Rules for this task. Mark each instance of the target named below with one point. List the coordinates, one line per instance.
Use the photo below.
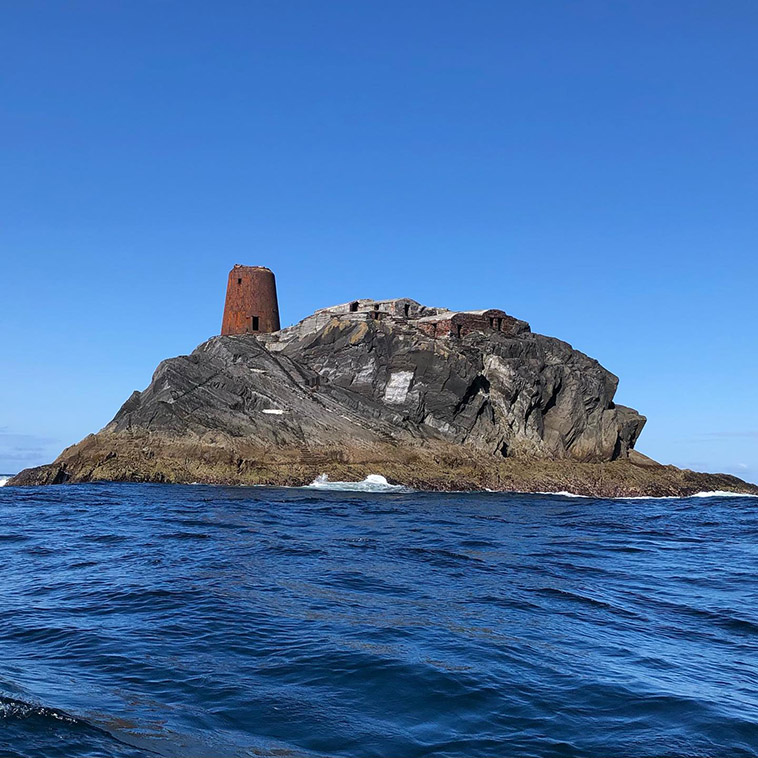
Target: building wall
(398, 307)
(461, 324)
(251, 305)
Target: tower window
(239, 281)
(256, 323)
(353, 307)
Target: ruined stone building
(252, 308)
(461, 323)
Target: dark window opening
(239, 281)
(500, 325)
(256, 323)
(407, 309)
(492, 322)
(458, 328)
(376, 306)
(353, 307)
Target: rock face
(516, 394)
(370, 387)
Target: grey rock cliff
(344, 377)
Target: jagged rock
(51, 473)
(508, 394)
(347, 391)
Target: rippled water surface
(204, 621)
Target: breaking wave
(722, 493)
(4, 480)
(372, 483)
(29, 729)
(562, 493)
(712, 493)
(11, 708)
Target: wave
(372, 483)
(562, 493)
(710, 493)
(704, 494)
(722, 493)
(11, 708)
(4, 480)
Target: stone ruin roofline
(363, 302)
(252, 268)
(435, 322)
(365, 305)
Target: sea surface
(156, 620)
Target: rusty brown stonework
(251, 306)
(460, 324)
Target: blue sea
(156, 620)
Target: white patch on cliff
(397, 387)
(273, 411)
(366, 374)
(435, 423)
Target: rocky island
(430, 398)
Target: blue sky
(588, 166)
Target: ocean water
(141, 620)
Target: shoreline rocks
(153, 458)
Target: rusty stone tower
(251, 306)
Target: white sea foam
(562, 493)
(721, 493)
(712, 493)
(372, 483)
(377, 483)
(4, 480)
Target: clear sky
(586, 165)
